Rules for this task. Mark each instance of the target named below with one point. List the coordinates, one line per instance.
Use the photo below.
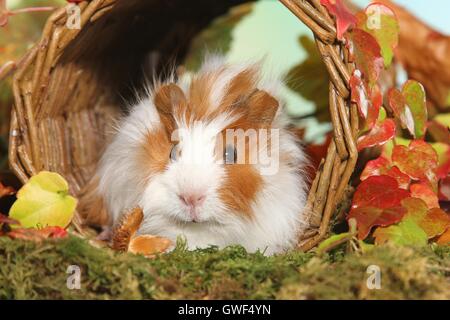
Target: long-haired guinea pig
(209, 159)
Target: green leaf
(381, 23)
(415, 97)
(406, 232)
(44, 201)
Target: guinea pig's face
(199, 171)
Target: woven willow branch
(336, 169)
(52, 129)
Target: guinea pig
(209, 158)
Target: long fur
(129, 176)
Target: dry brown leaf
(148, 245)
(126, 229)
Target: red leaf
(397, 102)
(38, 234)
(380, 192)
(375, 167)
(368, 217)
(380, 134)
(433, 221)
(366, 53)
(419, 160)
(402, 179)
(359, 94)
(344, 18)
(382, 166)
(425, 193)
(376, 100)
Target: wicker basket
(70, 84)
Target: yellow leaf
(44, 201)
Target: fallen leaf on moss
(148, 245)
(127, 228)
(125, 239)
(44, 201)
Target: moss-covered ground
(38, 271)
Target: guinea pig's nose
(192, 200)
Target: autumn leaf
(405, 233)
(433, 221)
(380, 134)
(369, 217)
(366, 53)
(443, 152)
(344, 18)
(383, 166)
(375, 167)
(444, 239)
(148, 245)
(125, 239)
(381, 22)
(359, 94)
(397, 102)
(425, 193)
(376, 100)
(419, 160)
(380, 192)
(44, 201)
(415, 98)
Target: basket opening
(104, 66)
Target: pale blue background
(271, 32)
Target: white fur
(278, 209)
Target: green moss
(30, 270)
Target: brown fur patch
(240, 187)
(153, 156)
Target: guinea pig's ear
(168, 97)
(262, 107)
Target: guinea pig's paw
(149, 245)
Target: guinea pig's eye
(229, 154)
(175, 152)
